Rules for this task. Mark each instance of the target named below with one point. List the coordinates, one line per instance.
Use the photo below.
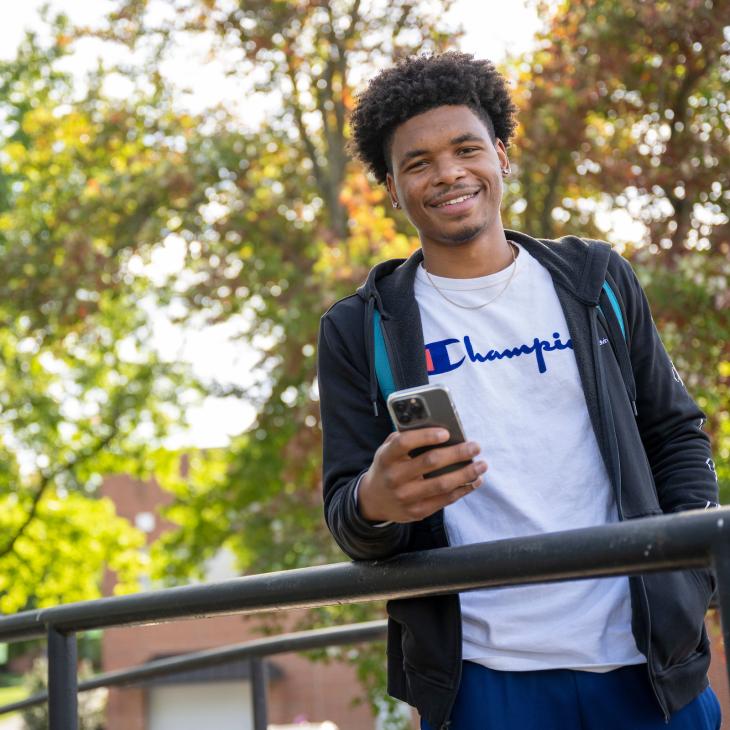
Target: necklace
(489, 301)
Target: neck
(470, 259)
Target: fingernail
(481, 467)
(442, 434)
(473, 449)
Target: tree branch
(302, 129)
(48, 479)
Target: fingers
(435, 459)
(429, 506)
(400, 443)
(442, 486)
(399, 491)
(423, 497)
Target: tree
(624, 115)
(88, 186)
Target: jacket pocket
(678, 601)
(430, 636)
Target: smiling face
(446, 174)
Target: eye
(416, 165)
(468, 150)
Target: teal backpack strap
(613, 299)
(382, 364)
(620, 346)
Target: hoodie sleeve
(351, 435)
(669, 421)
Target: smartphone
(426, 406)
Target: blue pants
(562, 699)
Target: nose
(447, 170)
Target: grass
(12, 694)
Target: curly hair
(417, 84)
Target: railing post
(721, 564)
(258, 694)
(62, 689)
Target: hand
(394, 488)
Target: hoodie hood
(577, 266)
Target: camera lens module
(411, 409)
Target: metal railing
(254, 652)
(668, 542)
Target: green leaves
(86, 188)
(63, 552)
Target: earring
(396, 204)
(506, 170)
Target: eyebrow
(467, 137)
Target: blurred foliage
(91, 705)
(624, 121)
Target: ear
(390, 184)
(501, 154)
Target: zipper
(446, 725)
(604, 408)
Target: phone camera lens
(417, 408)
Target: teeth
(456, 200)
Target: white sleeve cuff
(354, 493)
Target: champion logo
(603, 341)
(441, 356)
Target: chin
(464, 235)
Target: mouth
(457, 205)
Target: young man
(577, 409)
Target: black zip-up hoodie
(648, 429)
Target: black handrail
(635, 546)
(688, 540)
(254, 649)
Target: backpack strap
(382, 364)
(615, 306)
(618, 336)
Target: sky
(494, 28)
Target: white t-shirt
(512, 374)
